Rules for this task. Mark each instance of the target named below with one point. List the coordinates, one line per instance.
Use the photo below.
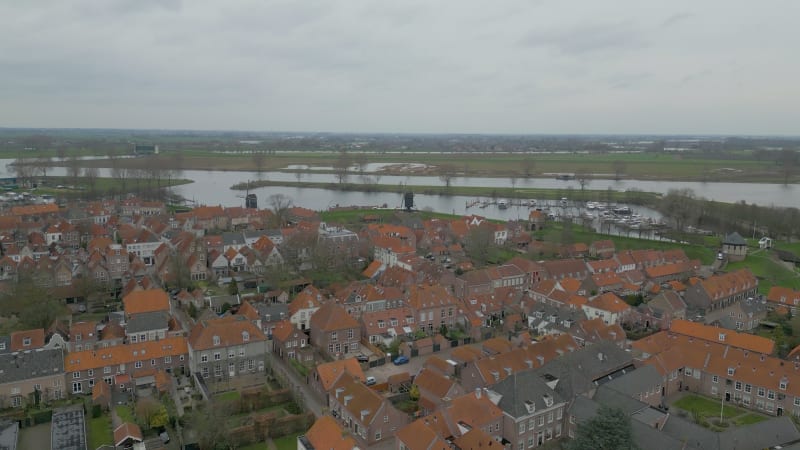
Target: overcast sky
(549, 66)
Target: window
(181, 358)
(530, 442)
(559, 414)
(761, 392)
(167, 359)
(350, 333)
(142, 337)
(241, 352)
(541, 420)
(90, 372)
(217, 356)
(91, 382)
(231, 353)
(133, 338)
(77, 388)
(771, 395)
(217, 370)
(138, 364)
(783, 385)
(334, 336)
(688, 372)
(738, 385)
(251, 365)
(522, 428)
(205, 372)
(16, 401)
(216, 340)
(558, 430)
(37, 387)
(26, 341)
(107, 369)
(245, 336)
(797, 401)
(203, 358)
(748, 388)
(550, 417)
(76, 374)
(731, 370)
(153, 362)
(377, 435)
(714, 390)
(385, 419)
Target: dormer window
(731, 371)
(78, 337)
(216, 340)
(722, 337)
(783, 384)
(245, 336)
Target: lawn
(287, 442)
(256, 446)
(100, 432)
(229, 396)
(769, 271)
(706, 407)
(125, 413)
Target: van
(371, 381)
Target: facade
(434, 307)
(720, 291)
(227, 349)
(334, 332)
(26, 373)
(533, 413)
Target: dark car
(362, 358)
(400, 360)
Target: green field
(770, 272)
(706, 407)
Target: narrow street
(298, 385)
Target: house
(124, 365)
(147, 326)
(734, 247)
(325, 434)
(608, 307)
(743, 315)
(720, 291)
(334, 332)
(537, 219)
(83, 336)
(383, 327)
(27, 372)
(602, 249)
(304, 305)
(662, 309)
(325, 375)
(566, 268)
(127, 435)
(434, 307)
(783, 297)
(368, 416)
(533, 413)
(745, 341)
(227, 349)
(593, 331)
(436, 389)
(290, 343)
(147, 300)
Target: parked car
(362, 358)
(400, 360)
(370, 381)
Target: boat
(622, 210)
(591, 205)
(502, 204)
(531, 202)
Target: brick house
(230, 348)
(25, 373)
(334, 332)
(720, 291)
(434, 306)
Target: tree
(341, 166)
(361, 161)
(619, 169)
(151, 413)
(584, 177)
(74, 168)
(413, 393)
(91, 174)
(479, 244)
(679, 205)
(528, 165)
(446, 173)
(259, 158)
(280, 205)
(205, 422)
(179, 274)
(609, 429)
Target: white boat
(502, 204)
(591, 205)
(531, 202)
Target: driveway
(382, 373)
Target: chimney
(477, 392)
(529, 363)
(508, 370)
(338, 391)
(364, 413)
(347, 399)
(600, 356)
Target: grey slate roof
(30, 364)
(767, 434)
(231, 238)
(275, 311)
(734, 239)
(140, 323)
(521, 388)
(634, 382)
(583, 370)
(646, 436)
(583, 408)
(68, 430)
(615, 399)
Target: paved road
(298, 385)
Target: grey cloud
(587, 38)
(674, 19)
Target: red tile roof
(147, 300)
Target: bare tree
(342, 166)
(619, 169)
(584, 177)
(280, 205)
(74, 168)
(361, 161)
(528, 166)
(446, 173)
(91, 174)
